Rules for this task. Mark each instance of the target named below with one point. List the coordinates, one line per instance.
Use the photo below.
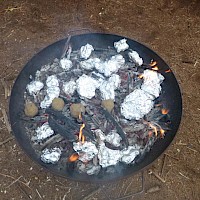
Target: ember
(110, 112)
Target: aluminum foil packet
(107, 88)
(86, 86)
(129, 154)
(90, 64)
(34, 86)
(111, 66)
(51, 155)
(85, 51)
(66, 64)
(113, 138)
(86, 150)
(69, 87)
(121, 45)
(152, 81)
(135, 57)
(108, 157)
(43, 132)
(137, 104)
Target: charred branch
(66, 133)
(117, 126)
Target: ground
(170, 27)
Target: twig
(91, 194)
(157, 175)
(14, 181)
(192, 149)
(5, 175)
(66, 47)
(23, 191)
(6, 140)
(163, 165)
(6, 88)
(172, 156)
(184, 176)
(6, 119)
(38, 194)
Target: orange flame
(164, 111)
(162, 132)
(155, 68)
(80, 137)
(153, 63)
(73, 157)
(167, 71)
(141, 76)
(154, 129)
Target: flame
(167, 71)
(81, 132)
(162, 132)
(155, 68)
(154, 129)
(73, 157)
(141, 76)
(164, 111)
(153, 63)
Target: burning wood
(108, 114)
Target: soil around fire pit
(171, 28)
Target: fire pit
(95, 107)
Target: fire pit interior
(95, 107)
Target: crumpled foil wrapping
(100, 135)
(66, 64)
(137, 104)
(43, 132)
(51, 155)
(129, 154)
(111, 66)
(34, 86)
(121, 45)
(113, 138)
(53, 91)
(86, 86)
(90, 63)
(52, 81)
(152, 81)
(69, 87)
(135, 57)
(107, 88)
(86, 151)
(108, 157)
(85, 51)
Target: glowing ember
(155, 68)
(141, 76)
(153, 63)
(73, 157)
(168, 71)
(164, 111)
(162, 133)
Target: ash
(86, 77)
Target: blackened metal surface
(171, 99)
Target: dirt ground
(170, 27)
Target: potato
(76, 109)
(108, 104)
(58, 104)
(30, 110)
